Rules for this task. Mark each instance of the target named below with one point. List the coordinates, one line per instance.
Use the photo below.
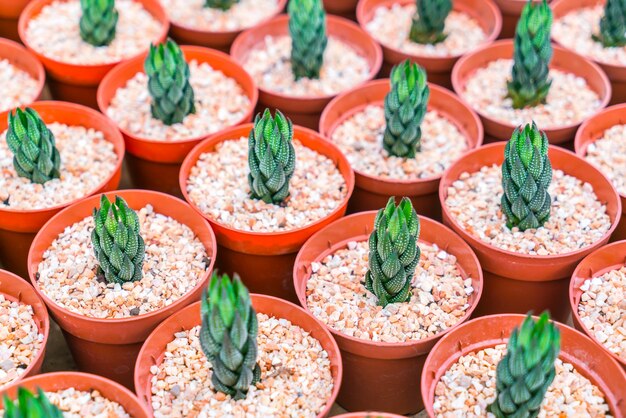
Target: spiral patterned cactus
(429, 21)
(613, 24)
(98, 21)
(307, 26)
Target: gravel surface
(360, 138)
(270, 66)
(87, 160)
(175, 262)
(468, 387)
(220, 102)
(391, 27)
(218, 185)
(80, 404)
(569, 101)
(577, 219)
(18, 87)
(55, 33)
(296, 378)
(602, 309)
(609, 154)
(20, 339)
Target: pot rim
(41, 72)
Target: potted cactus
(399, 136)
(110, 268)
(511, 11)
(79, 41)
(22, 76)
(234, 353)
(300, 61)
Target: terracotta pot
(590, 131)
(438, 68)
(481, 333)
(378, 375)
(109, 347)
(153, 350)
(368, 415)
(601, 261)
(264, 260)
(9, 13)
(343, 8)
(221, 40)
(18, 226)
(305, 111)
(16, 289)
(53, 382)
(511, 11)
(372, 193)
(75, 82)
(17, 55)
(562, 59)
(516, 282)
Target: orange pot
(372, 193)
(562, 59)
(379, 375)
(305, 111)
(516, 282)
(511, 11)
(52, 382)
(75, 82)
(18, 226)
(439, 68)
(157, 163)
(17, 55)
(264, 260)
(590, 131)
(481, 333)
(153, 350)
(9, 13)
(109, 347)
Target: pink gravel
(18, 87)
(608, 153)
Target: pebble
(608, 152)
(18, 87)
(86, 404)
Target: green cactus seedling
(307, 27)
(613, 24)
(429, 21)
(98, 21)
(29, 405)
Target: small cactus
(29, 405)
(220, 4)
(613, 25)
(307, 26)
(429, 21)
(98, 21)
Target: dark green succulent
(116, 241)
(613, 25)
(530, 82)
(220, 4)
(228, 336)
(307, 26)
(405, 108)
(527, 370)
(98, 21)
(29, 405)
(168, 83)
(35, 155)
(429, 21)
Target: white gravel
(218, 185)
(86, 404)
(570, 100)
(174, 264)
(360, 138)
(577, 219)
(391, 27)
(55, 33)
(609, 154)
(87, 159)
(18, 87)
(296, 379)
(270, 65)
(220, 102)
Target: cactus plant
(429, 21)
(118, 247)
(405, 107)
(271, 157)
(228, 336)
(98, 21)
(307, 27)
(220, 4)
(526, 176)
(613, 25)
(527, 370)
(35, 155)
(530, 82)
(393, 253)
(29, 405)
(168, 83)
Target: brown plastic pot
(153, 350)
(9, 14)
(516, 282)
(19, 56)
(486, 332)
(16, 289)
(18, 226)
(264, 260)
(54, 382)
(157, 163)
(76, 82)
(378, 375)
(372, 193)
(305, 111)
(109, 347)
(438, 68)
(511, 11)
(601, 261)
(592, 130)
(562, 59)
